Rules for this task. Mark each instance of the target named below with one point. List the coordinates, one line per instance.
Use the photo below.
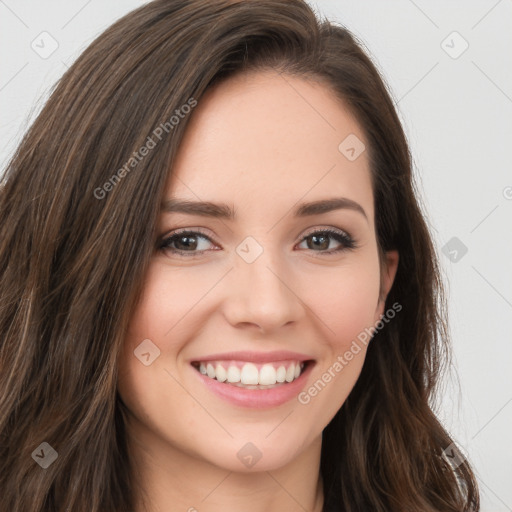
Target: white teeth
(267, 375)
(290, 373)
(233, 374)
(220, 374)
(210, 371)
(248, 375)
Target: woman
(218, 291)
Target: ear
(388, 270)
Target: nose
(261, 295)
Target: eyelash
(345, 239)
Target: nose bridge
(262, 291)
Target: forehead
(264, 139)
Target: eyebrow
(224, 211)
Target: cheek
(353, 312)
(169, 296)
(158, 310)
(161, 317)
(347, 309)
(345, 300)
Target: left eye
(321, 240)
(188, 243)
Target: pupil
(325, 239)
(187, 244)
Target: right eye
(185, 243)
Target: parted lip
(254, 357)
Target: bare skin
(262, 143)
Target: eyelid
(179, 231)
(350, 242)
(316, 229)
(192, 230)
(203, 232)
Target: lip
(255, 357)
(257, 398)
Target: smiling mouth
(252, 375)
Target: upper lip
(255, 357)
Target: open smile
(254, 380)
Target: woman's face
(259, 296)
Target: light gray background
(457, 116)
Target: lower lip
(258, 398)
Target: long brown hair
(77, 235)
